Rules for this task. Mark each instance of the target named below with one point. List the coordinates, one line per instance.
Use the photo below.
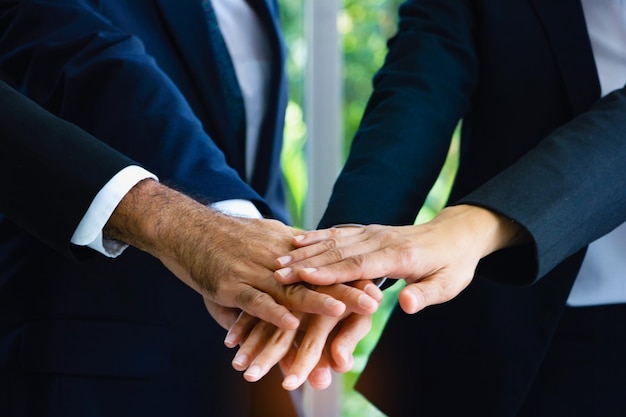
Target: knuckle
(405, 257)
(385, 234)
(335, 255)
(295, 291)
(265, 328)
(330, 244)
(334, 232)
(282, 339)
(250, 298)
(356, 262)
(310, 347)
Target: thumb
(435, 289)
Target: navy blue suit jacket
(537, 145)
(124, 337)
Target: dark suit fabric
(538, 145)
(38, 152)
(124, 337)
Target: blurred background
(354, 52)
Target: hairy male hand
(228, 260)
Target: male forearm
(181, 232)
(228, 260)
(146, 217)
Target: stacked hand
(282, 292)
(230, 262)
(437, 260)
(309, 352)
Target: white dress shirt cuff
(89, 230)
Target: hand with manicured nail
(228, 260)
(437, 259)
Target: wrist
(130, 221)
(149, 217)
(488, 230)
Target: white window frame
(323, 117)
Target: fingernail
(332, 303)
(343, 354)
(253, 372)
(374, 292)
(290, 382)
(284, 260)
(309, 270)
(346, 360)
(229, 341)
(240, 361)
(283, 272)
(290, 321)
(321, 378)
(299, 238)
(367, 302)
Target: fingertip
(374, 292)
(343, 360)
(240, 361)
(253, 373)
(291, 382)
(284, 260)
(231, 340)
(344, 367)
(367, 303)
(282, 275)
(409, 301)
(334, 307)
(312, 276)
(320, 378)
(289, 322)
(308, 271)
(304, 239)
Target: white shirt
(89, 230)
(251, 56)
(250, 52)
(602, 277)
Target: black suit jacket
(43, 161)
(537, 145)
(124, 337)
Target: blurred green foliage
(365, 26)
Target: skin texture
(320, 344)
(437, 259)
(228, 260)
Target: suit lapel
(267, 10)
(189, 29)
(565, 27)
(187, 24)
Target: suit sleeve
(50, 170)
(567, 192)
(419, 96)
(68, 57)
